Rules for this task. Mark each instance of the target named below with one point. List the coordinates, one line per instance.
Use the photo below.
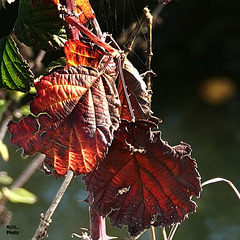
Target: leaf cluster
(91, 115)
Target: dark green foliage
(14, 70)
(38, 25)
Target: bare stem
(219, 179)
(173, 230)
(149, 18)
(97, 224)
(46, 220)
(164, 234)
(153, 235)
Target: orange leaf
(78, 53)
(84, 8)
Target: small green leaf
(5, 179)
(4, 151)
(19, 195)
(38, 25)
(15, 72)
(3, 106)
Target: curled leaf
(143, 181)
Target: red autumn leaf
(143, 181)
(137, 91)
(78, 53)
(77, 109)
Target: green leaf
(3, 106)
(19, 195)
(4, 151)
(15, 72)
(5, 179)
(38, 25)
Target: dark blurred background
(196, 46)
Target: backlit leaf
(38, 25)
(137, 91)
(78, 53)
(143, 181)
(83, 8)
(80, 107)
(15, 72)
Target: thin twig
(28, 172)
(134, 29)
(149, 18)
(46, 220)
(164, 234)
(219, 179)
(173, 230)
(4, 127)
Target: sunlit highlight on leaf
(78, 53)
(78, 110)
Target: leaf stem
(173, 230)
(164, 234)
(46, 220)
(97, 224)
(153, 235)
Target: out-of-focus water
(213, 133)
